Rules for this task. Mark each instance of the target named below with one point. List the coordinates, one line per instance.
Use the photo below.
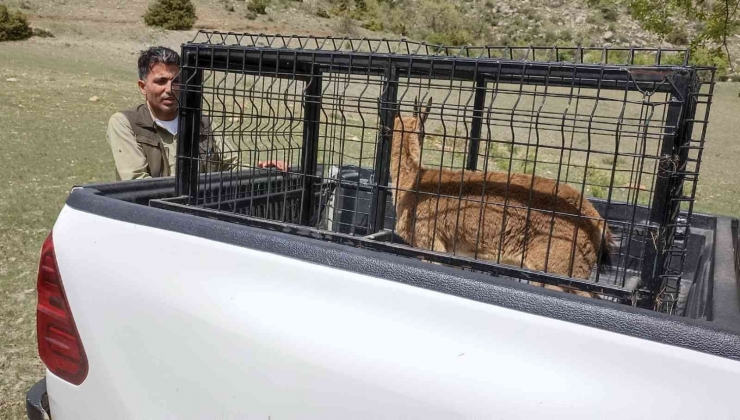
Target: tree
(717, 20)
(13, 25)
(171, 14)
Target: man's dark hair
(155, 55)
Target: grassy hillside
(492, 22)
(53, 136)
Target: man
(143, 139)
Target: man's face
(158, 90)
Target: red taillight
(60, 346)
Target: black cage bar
(623, 127)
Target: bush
(551, 37)
(228, 6)
(705, 56)
(608, 9)
(678, 36)
(450, 39)
(346, 26)
(171, 14)
(341, 7)
(529, 13)
(566, 55)
(373, 25)
(609, 12)
(42, 33)
(596, 19)
(13, 26)
(366, 10)
(258, 6)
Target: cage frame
(313, 56)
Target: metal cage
(624, 127)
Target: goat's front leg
(439, 245)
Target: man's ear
(141, 87)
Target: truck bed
(184, 316)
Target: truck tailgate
(178, 326)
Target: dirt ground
(52, 136)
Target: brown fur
(445, 214)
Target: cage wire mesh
(623, 127)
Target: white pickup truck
(148, 313)
(257, 293)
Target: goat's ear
(416, 106)
(425, 114)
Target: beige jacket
(132, 153)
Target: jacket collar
(144, 116)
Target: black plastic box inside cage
(571, 168)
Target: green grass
(719, 180)
(52, 138)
